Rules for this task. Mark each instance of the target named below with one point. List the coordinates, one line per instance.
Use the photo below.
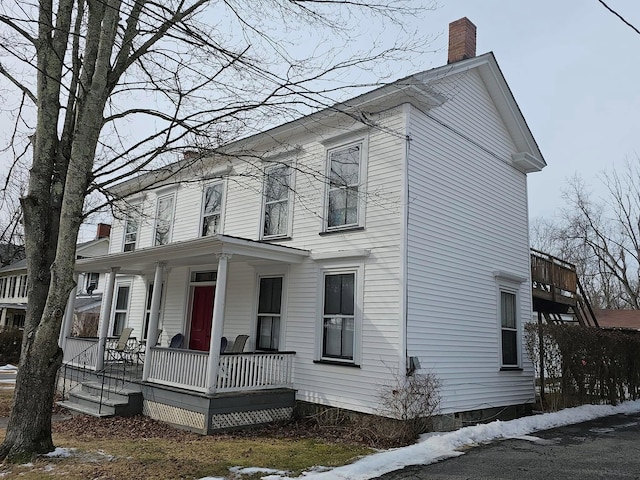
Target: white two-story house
(385, 236)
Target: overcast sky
(574, 69)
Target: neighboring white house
(13, 283)
(370, 249)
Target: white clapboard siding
(467, 219)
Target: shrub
(585, 364)
(10, 345)
(411, 401)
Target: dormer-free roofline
(414, 89)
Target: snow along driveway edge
(439, 446)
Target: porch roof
(199, 251)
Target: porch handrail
(81, 352)
(255, 371)
(237, 371)
(178, 367)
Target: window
(130, 233)
(164, 219)
(276, 201)
(22, 289)
(18, 320)
(91, 282)
(120, 310)
(269, 313)
(3, 286)
(509, 329)
(12, 287)
(212, 209)
(338, 321)
(147, 312)
(343, 203)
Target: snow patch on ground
(60, 453)
(434, 447)
(253, 470)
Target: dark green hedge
(586, 364)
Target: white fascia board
(340, 254)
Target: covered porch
(200, 366)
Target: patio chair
(176, 341)
(141, 348)
(238, 344)
(121, 351)
(223, 344)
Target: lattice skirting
(253, 417)
(175, 415)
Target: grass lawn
(140, 448)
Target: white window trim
(148, 300)
(362, 183)
(290, 201)
(506, 286)
(114, 302)
(223, 204)
(161, 195)
(336, 269)
(137, 216)
(270, 273)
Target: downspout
(402, 369)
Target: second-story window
(91, 282)
(130, 233)
(12, 287)
(22, 290)
(276, 201)
(164, 219)
(345, 164)
(212, 209)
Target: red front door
(201, 316)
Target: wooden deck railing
(80, 352)
(553, 277)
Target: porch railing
(81, 352)
(237, 372)
(179, 368)
(255, 371)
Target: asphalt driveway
(605, 448)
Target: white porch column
(217, 322)
(107, 301)
(154, 316)
(67, 320)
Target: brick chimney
(104, 230)
(462, 40)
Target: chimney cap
(462, 40)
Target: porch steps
(120, 402)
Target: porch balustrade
(81, 352)
(179, 368)
(255, 371)
(188, 368)
(237, 372)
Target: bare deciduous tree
(601, 236)
(109, 88)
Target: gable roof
(80, 247)
(414, 89)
